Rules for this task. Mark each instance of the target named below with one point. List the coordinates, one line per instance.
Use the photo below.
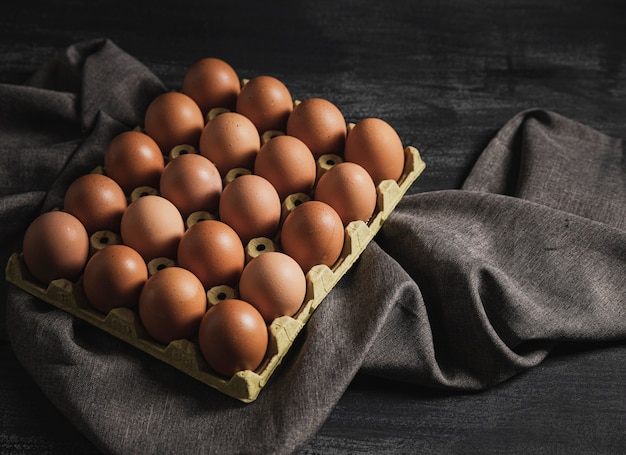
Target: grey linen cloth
(461, 290)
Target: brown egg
(133, 159)
(274, 284)
(267, 102)
(251, 206)
(153, 226)
(287, 163)
(313, 234)
(213, 251)
(230, 140)
(192, 183)
(173, 119)
(233, 337)
(114, 277)
(56, 245)
(376, 146)
(97, 201)
(320, 125)
(349, 189)
(172, 304)
(211, 82)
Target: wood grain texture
(446, 74)
(574, 403)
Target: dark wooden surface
(446, 75)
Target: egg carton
(185, 355)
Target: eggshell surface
(55, 245)
(287, 163)
(350, 190)
(153, 226)
(211, 83)
(376, 146)
(251, 206)
(233, 337)
(114, 277)
(230, 140)
(173, 119)
(274, 284)
(97, 201)
(192, 183)
(172, 304)
(213, 251)
(320, 125)
(134, 159)
(267, 102)
(313, 234)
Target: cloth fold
(462, 288)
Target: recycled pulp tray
(185, 355)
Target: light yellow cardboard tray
(185, 355)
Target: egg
(192, 183)
(251, 206)
(376, 146)
(114, 277)
(267, 102)
(153, 226)
(313, 234)
(350, 190)
(274, 284)
(172, 304)
(213, 251)
(287, 163)
(173, 119)
(133, 159)
(233, 337)
(97, 201)
(320, 125)
(55, 245)
(230, 141)
(211, 83)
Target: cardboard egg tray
(185, 355)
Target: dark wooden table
(446, 75)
